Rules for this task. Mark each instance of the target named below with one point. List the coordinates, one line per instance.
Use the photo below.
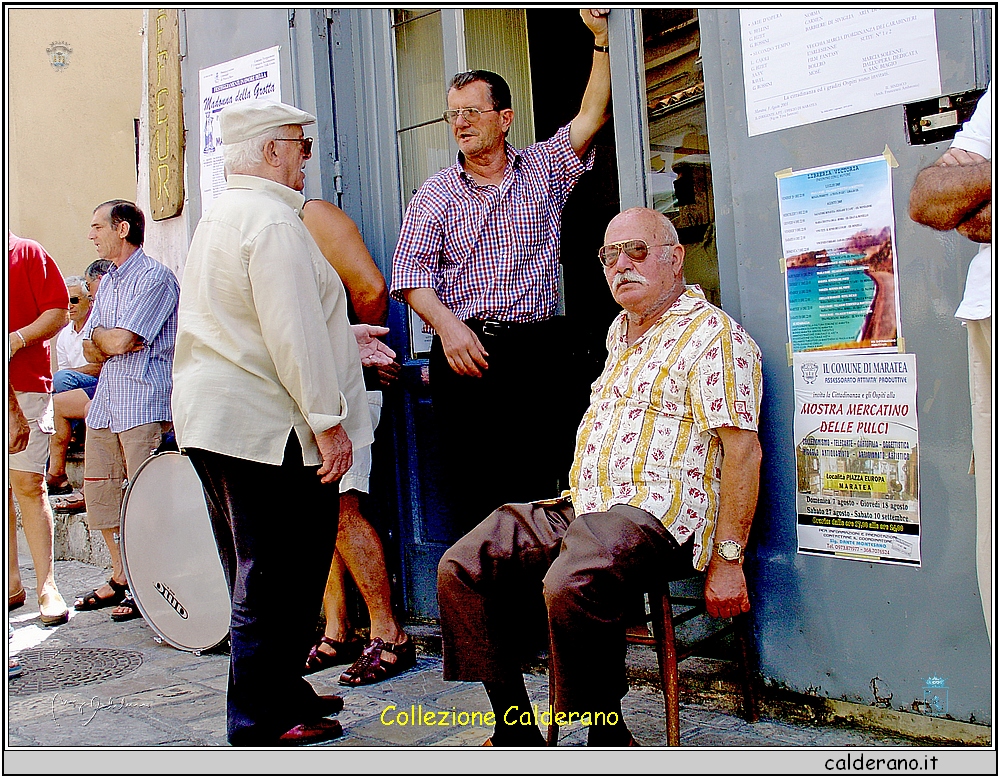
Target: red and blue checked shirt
(487, 251)
(141, 297)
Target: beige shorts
(358, 476)
(37, 409)
(109, 458)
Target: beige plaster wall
(70, 133)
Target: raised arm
(725, 584)
(595, 108)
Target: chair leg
(666, 652)
(748, 668)
(552, 736)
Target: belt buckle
(492, 327)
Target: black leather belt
(493, 328)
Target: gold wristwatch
(729, 550)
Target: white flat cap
(251, 118)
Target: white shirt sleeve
(976, 134)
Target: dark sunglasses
(306, 143)
(74, 300)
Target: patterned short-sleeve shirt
(649, 437)
(491, 251)
(134, 388)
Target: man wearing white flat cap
(268, 388)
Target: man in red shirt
(37, 304)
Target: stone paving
(143, 693)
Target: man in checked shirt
(664, 482)
(478, 260)
(131, 331)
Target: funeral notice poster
(855, 428)
(838, 239)
(252, 77)
(805, 65)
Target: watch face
(729, 550)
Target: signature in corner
(90, 708)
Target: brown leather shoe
(312, 732)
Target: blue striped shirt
(141, 297)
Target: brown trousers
(531, 564)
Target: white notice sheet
(805, 65)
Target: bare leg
(36, 518)
(14, 571)
(334, 599)
(65, 406)
(361, 549)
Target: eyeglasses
(471, 115)
(306, 143)
(636, 250)
(74, 300)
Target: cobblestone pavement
(95, 683)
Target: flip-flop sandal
(69, 503)
(91, 601)
(133, 612)
(371, 669)
(346, 651)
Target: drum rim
(128, 577)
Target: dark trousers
(276, 528)
(505, 436)
(528, 565)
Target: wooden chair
(668, 653)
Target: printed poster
(857, 494)
(805, 65)
(252, 77)
(838, 245)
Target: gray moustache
(625, 276)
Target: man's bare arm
(338, 238)
(17, 424)
(725, 584)
(465, 353)
(978, 226)
(595, 108)
(113, 342)
(45, 327)
(950, 190)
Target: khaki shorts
(358, 476)
(109, 458)
(37, 409)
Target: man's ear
(123, 229)
(506, 119)
(678, 259)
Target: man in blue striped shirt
(131, 331)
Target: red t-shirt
(35, 285)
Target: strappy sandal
(56, 486)
(371, 669)
(344, 651)
(91, 601)
(73, 502)
(128, 615)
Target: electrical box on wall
(938, 119)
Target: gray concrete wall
(831, 626)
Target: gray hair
(246, 155)
(79, 281)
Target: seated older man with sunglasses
(664, 481)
